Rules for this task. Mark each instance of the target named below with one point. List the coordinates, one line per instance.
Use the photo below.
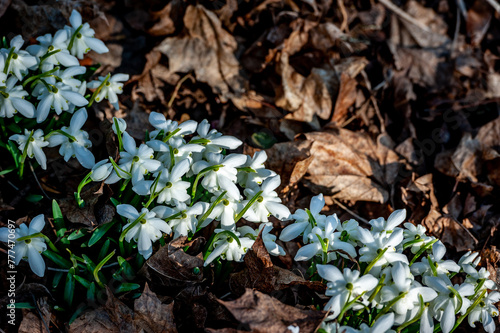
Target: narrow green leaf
(85, 283)
(34, 197)
(77, 234)
(125, 287)
(57, 259)
(57, 279)
(69, 288)
(99, 233)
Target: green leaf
(85, 283)
(34, 197)
(24, 305)
(15, 128)
(125, 286)
(8, 170)
(114, 202)
(57, 259)
(91, 291)
(99, 233)
(263, 139)
(69, 288)
(77, 234)
(57, 279)
(89, 263)
(104, 250)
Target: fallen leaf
(32, 322)
(4, 4)
(263, 313)
(151, 315)
(478, 21)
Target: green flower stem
(210, 209)
(85, 181)
(170, 135)
(122, 236)
(377, 258)
(154, 194)
(422, 250)
(377, 288)
(389, 306)
(51, 53)
(217, 237)
(457, 295)
(118, 169)
(36, 77)
(7, 62)
(198, 177)
(469, 310)
(246, 169)
(119, 135)
(202, 142)
(23, 157)
(247, 206)
(348, 305)
(432, 266)
(54, 132)
(416, 318)
(96, 92)
(99, 266)
(72, 40)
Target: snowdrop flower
(79, 146)
(228, 248)
(138, 160)
(416, 235)
(349, 230)
(383, 324)
(67, 78)
(110, 89)
(12, 100)
(408, 289)
(395, 219)
(329, 238)
(258, 174)
(168, 127)
(122, 125)
(31, 248)
(149, 229)
(58, 97)
(170, 185)
(447, 303)
(441, 267)
(224, 176)
(374, 245)
(214, 141)
(35, 144)
(3, 76)
(187, 221)
(83, 37)
(268, 238)
(475, 277)
(469, 259)
(268, 203)
(305, 220)
(344, 287)
(484, 312)
(56, 46)
(177, 148)
(19, 61)
(101, 170)
(226, 211)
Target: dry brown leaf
(478, 21)
(207, 49)
(4, 4)
(32, 323)
(464, 162)
(151, 315)
(165, 25)
(263, 313)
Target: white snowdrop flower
(19, 61)
(268, 238)
(187, 221)
(343, 287)
(176, 148)
(446, 304)
(469, 259)
(227, 248)
(111, 89)
(349, 229)
(101, 170)
(441, 267)
(258, 174)
(395, 219)
(149, 229)
(484, 312)
(35, 143)
(375, 244)
(12, 100)
(407, 288)
(3, 76)
(305, 220)
(67, 77)
(330, 327)
(475, 277)
(56, 47)
(168, 127)
(222, 177)
(79, 147)
(293, 329)
(137, 160)
(170, 185)
(29, 249)
(213, 140)
(59, 97)
(226, 211)
(268, 203)
(329, 238)
(416, 235)
(122, 125)
(383, 324)
(83, 37)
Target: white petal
(36, 262)
(317, 204)
(97, 45)
(396, 218)
(180, 169)
(280, 211)
(330, 273)
(127, 211)
(384, 323)
(37, 224)
(84, 156)
(227, 142)
(293, 230)
(24, 107)
(307, 252)
(78, 119)
(75, 19)
(216, 253)
(74, 97)
(448, 319)
(271, 183)
(129, 143)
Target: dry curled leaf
(151, 315)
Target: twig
(40, 313)
(36, 179)
(392, 7)
(176, 90)
(350, 211)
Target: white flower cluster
(43, 79)
(382, 281)
(191, 182)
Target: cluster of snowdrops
(183, 179)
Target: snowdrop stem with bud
(96, 92)
(79, 201)
(23, 157)
(377, 288)
(469, 310)
(247, 206)
(99, 266)
(73, 36)
(389, 305)
(36, 77)
(459, 298)
(7, 62)
(49, 54)
(170, 135)
(422, 250)
(209, 210)
(198, 177)
(348, 305)
(118, 134)
(215, 238)
(154, 193)
(69, 136)
(374, 261)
